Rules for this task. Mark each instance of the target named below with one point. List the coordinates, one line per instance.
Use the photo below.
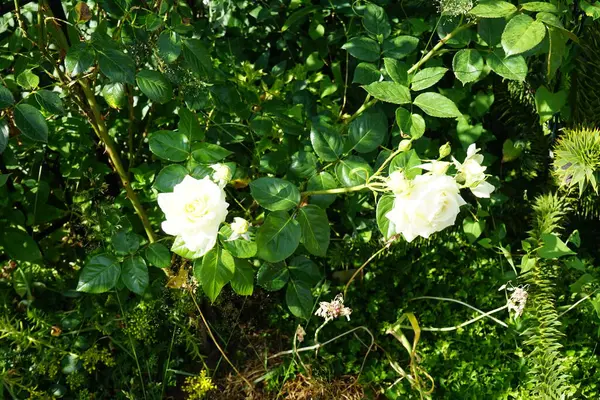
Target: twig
(462, 303)
(453, 328)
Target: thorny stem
(217, 343)
(111, 149)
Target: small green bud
(405, 145)
(445, 150)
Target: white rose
(431, 205)
(398, 183)
(436, 167)
(239, 228)
(472, 173)
(194, 212)
(222, 174)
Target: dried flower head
(300, 333)
(333, 309)
(517, 299)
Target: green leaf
(513, 67)
(243, 278)
(278, 237)
(50, 101)
(273, 277)
(406, 162)
(366, 73)
(375, 20)
(593, 11)
(28, 80)
(169, 145)
(390, 92)
(154, 85)
(170, 176)
(493, 9)
(326, 141)
(100, 274)
(412, 125)
(4, 179)
(125, 242)
(400, 47)
(275, 194)
(117, 66)
(197, 57)
(367, 131)
(547, 103)
(169, 46)
(384, 206)
(353, 171)
(557, 51)
(20, 246)
(315, 230)
(135, 274)
(363, 48)
(397, 70)
(553, 247)
(80, 57)
(115, 95)
(297, 16)
(522, 33)
(299, 299)
(575, 238)
(22, 282)
(158, 255)
(304, 270)
(6, 98)
(240, 247)
(437, 105)
(4, 135)
(427, 77)
(473, 229)
(209, 153)
(467, 65)
(322, 181)
(31, 123)
(510, 152)
(490, 30)
(214, 271)
(189, 125)
(537, 6)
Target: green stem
(438, 46)
(427, 57)
(335, 191)
(111, 149)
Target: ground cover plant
(298, 199)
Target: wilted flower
(194, 212)
(333, 309)
(222, 174)
(517, 299)
(239, 228)
(472, 174)
(300, 333)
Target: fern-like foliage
(548, 377)
(585, 78)
(577, 159)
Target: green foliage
(293, 115)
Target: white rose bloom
(194, 212)
(398, 183)
(472, 173)
(436, 167)
(222, 174)
(431, 205)
(239, 228)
